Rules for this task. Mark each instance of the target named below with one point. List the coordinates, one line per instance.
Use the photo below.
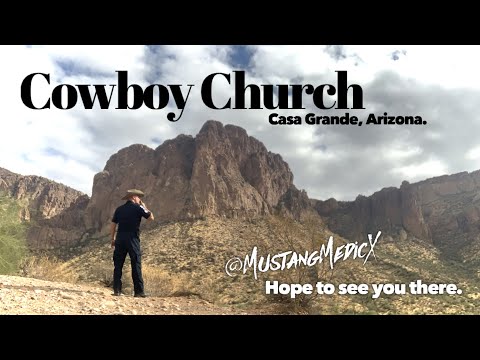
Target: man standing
(128, 217)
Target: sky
(439, 83)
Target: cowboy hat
(132, 192)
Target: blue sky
(439, 83)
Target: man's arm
(150, 217)
(113, 229)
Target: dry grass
(47, 268)
(300, 237)
(157, 281)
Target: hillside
(12, 234)
(191, 258)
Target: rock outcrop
(222, 171)
(444, 211)
(53, 210)
(39, 197)
(61, 230)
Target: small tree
(309, 235)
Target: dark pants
(127, 243)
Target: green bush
(12, 235)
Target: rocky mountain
(49, 208)
(443, 211)
(41, 198)
(213, 195)
(222, 171)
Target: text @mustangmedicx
(346, 119)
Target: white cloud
(440, 83)
(424, 169)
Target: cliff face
(451, 207)
(41, 198)
(444, 211)
(222, 171)
(61, 230)
(51, 208)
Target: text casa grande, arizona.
(157, 96)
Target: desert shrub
(309, 235)
(47, 268)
